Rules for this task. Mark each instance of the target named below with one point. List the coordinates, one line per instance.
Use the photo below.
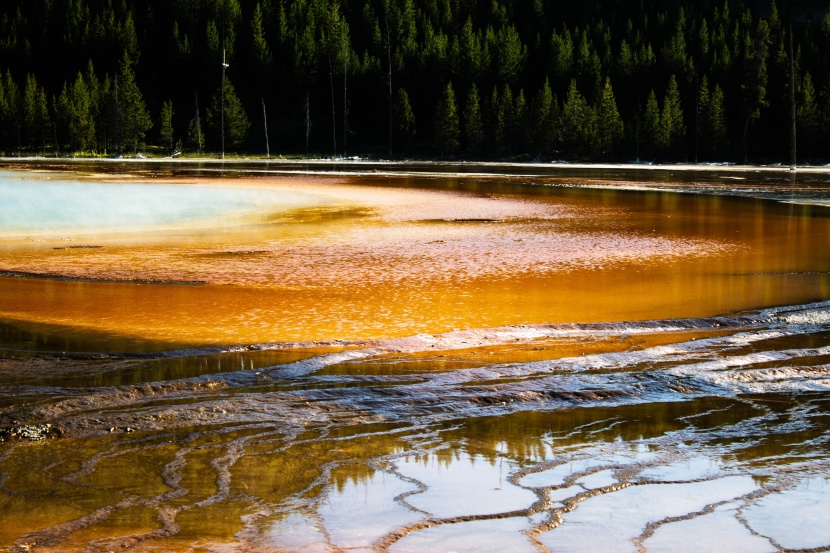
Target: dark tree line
(650, 79)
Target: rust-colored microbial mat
(206, 359)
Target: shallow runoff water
(335, 357)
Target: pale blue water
(33, 202)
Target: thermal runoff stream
(263, 357)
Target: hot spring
(272, 358)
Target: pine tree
(492, 122)
(34, 114)
(578, 121)
(403, 117)
(626, 62)
(504, 120)
(166, 125)
(9, 112)
(261, 52)
(520, 137)
(179, 45)
(646, 60)
(82, 101)
(75, 113)
(704, 99)
(509, 53)
(588, 66)
(128, 38)
(472, 60)
(555, 124)
(195, 135)
(561, 56)
(335, 52)
(3, 115)
(303, 32)
(542, 124)
(671, 119)
(136, 119)
(227, 14)
(703, 40)
(406, 28)
(446, 121)
(235, 118)
(95, 103)
(754, 86)
(675, 58)
(609, 124)
(651, 129)
(214, 44)
(717, 118)
(61, 109)
(110, 122)
(808, 115)
(824, 105)
(473, 125)
(722, 54)
(29, 110)
(43, 121)
(712, 123)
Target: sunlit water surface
(282, 363)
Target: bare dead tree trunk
(389, 60)
(307, 121)
(792, 98)
(345, 96)
(198, 123)
(265, 123)
(333, 115)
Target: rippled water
(420, 365)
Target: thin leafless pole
(222, 117)
(792, 98)
(345, 95)
(265, 122)
(389, 61)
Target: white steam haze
(38, 205)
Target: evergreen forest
(619, 80)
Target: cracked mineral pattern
(415, 365)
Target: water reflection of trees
(531, 436)
(276, 472)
